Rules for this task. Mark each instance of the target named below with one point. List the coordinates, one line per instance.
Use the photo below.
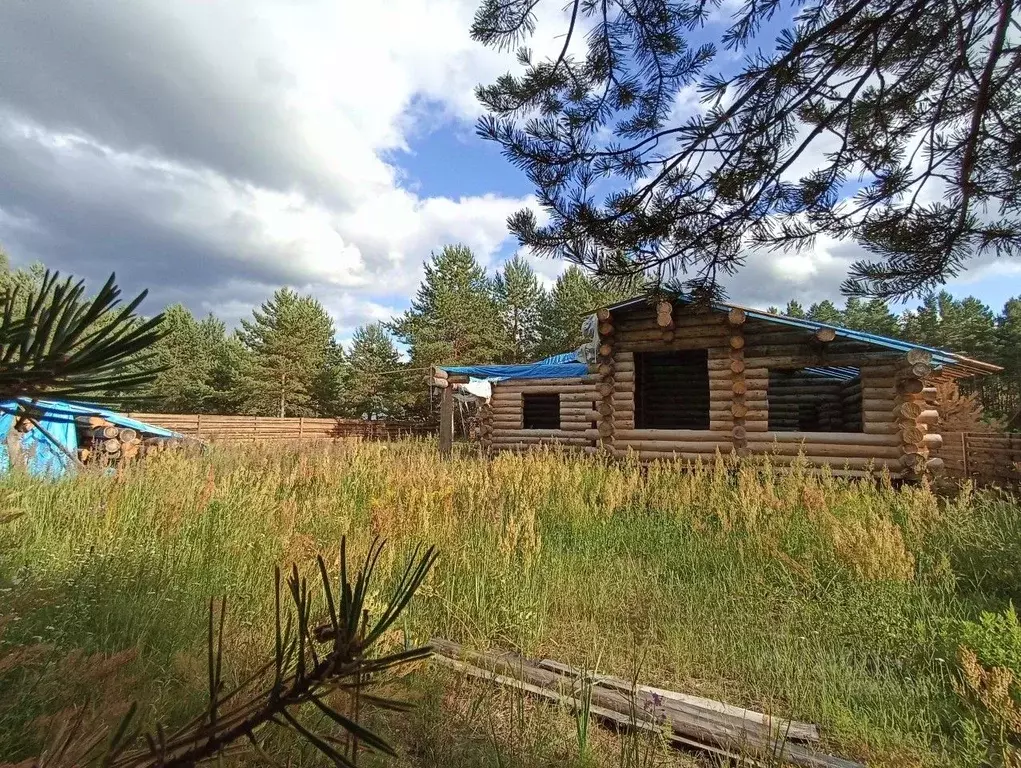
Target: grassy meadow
(827, 600)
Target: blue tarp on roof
(564, 358)
(843, 373)
(46, 456)
(566, 365)
(562, 366)
(941, 358)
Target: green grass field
(826, 600)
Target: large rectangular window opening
(540, 411)
(814, 400)
(672, 390)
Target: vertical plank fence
(986, 457)
(263, 428)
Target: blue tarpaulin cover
(57, 418)
(562, 366)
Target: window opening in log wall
(814, 400)
(672, 390)
(540, 411)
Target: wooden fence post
(446, 420)
(301, 425)
(198, 425)
(964, 453)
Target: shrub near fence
(261, 428)
(987, 457)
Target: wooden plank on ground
(700, 728)
(794, 730)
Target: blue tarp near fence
(45, 456)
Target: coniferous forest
(285, 359)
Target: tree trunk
(518, 352)
(283, 394)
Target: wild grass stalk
(812, 597)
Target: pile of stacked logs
(104, 443)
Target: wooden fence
(986, 457)
(260, 428)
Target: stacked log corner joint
(914, 416)
(439, 379)
(605, 370)
(738, 385)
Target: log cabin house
(671, 379)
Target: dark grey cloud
(207, 152)
(131, 76)
(124, 226)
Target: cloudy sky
(213, 152)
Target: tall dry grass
(815, 597)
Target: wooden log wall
(880, 420)
(622, 406)
(673, 383)
(851, 402)
(809, 402)
(503, 427)
(486, 427)
(670, 328)
(741, 353)
(875, 444)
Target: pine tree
(520, 298)
(924, 325)
(966, 326)
(574, 296)
(186, 355)
(794, 309)
(975, 324)
(922, 94)
(618, 287)
(290, 339)
(374, 384)
(328, 385)
(825, 312)
(1008, 337)
(24, 280)
(229, 387)
(873, 316)
(454, 317)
